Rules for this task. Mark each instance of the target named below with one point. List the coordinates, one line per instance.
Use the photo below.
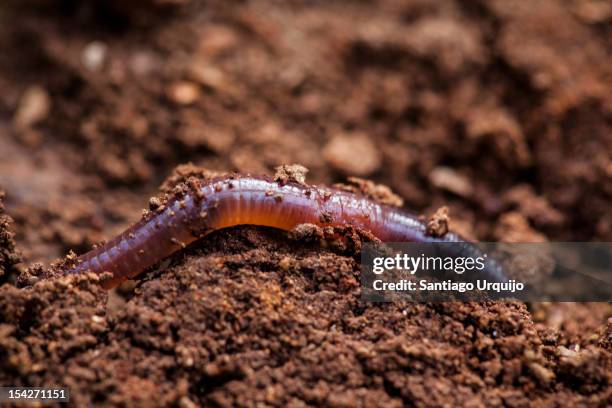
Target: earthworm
(228, 201)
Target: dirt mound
(247, 316)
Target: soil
(500, 110)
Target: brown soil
(500, 110)
(9, 257)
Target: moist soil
(499, 110)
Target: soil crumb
(437, 226)
(352, 154)
(182, 174)
(291, 172)
(377, 192)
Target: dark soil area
(500, 110)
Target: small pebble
(353, 154)
(446, 178)
(34, 106)
(184, 93)
(291, 172)
(94, 55)
(207, 75)
(541, 373)
(185, 402)
(437, 225)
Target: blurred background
(501, 110)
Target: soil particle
(437, 226)
(184, 93)
(448, 179)
(501, 130)
(514, 227)
(377, 192)
(306, 233)
(201, 71)
(34, 106)
(542, 374)
(184, 174)
(352, 154)
(291, 172)
(452, 46)
(209, 137)
(155, 203)
(535, 208)
(94, 55)
(605, 340)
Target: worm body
(225, 202)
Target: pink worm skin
(229, 201)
